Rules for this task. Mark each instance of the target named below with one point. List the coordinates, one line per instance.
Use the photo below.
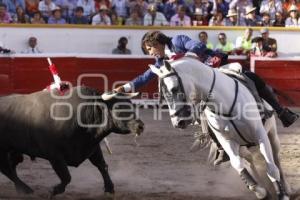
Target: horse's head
(172, 89)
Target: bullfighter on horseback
(155, 43)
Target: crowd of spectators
(153, 12)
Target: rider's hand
(119, 89)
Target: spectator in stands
(266, 19)
(279, 20)
(67, 8)
(271, 7)
(180, 19)
(78, 17)
(121, 7)
(171, 8)
(99, 3)
(199, 19)
(32, 46)
(287, 5)
(232, 18)
(31, 7)
(293, 20)
(240, 6)
(217, 19)
(251, 18)
(220, 5)
(37, 18)
(258, 49)
(154, 18)
(5, 17)
(122, 47)
(269, 44)
(46, 7)
(11, 5)
(205, 6)
(139, 5)
(203, 37)
(20, 17)
(224, 45)
(88, 7)
(243, 44)
(56, 17)
(115, 19)
(134, 19)
(102, 18)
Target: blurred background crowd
(282, 13)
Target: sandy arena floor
(161, 168)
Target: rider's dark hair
(153, 38)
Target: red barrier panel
(283, 75)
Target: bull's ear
(108, 96)
(167, 65)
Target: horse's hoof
(284, 197)
(260, 192)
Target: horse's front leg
(232, 148)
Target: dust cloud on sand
(160, 168)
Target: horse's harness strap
(209, 92)
(235, 97)
(233, 103)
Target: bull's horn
(108, 96)
(131, 95)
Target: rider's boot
(286, 116)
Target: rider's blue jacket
(178, 44)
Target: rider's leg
(285, 115)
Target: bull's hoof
(108, 195)
(24, 189)
(58, 189)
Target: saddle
(234, 70)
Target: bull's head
(123, 113)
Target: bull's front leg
(97, 159)
(61, 169)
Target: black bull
(29, 125)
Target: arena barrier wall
(26, 74)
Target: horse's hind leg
(8, 163)
(275, 144)
(272, 170)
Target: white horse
(231, 113)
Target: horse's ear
(167, 65)
(155, 70)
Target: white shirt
(31, 50)
(98, 20)
(160, 19)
